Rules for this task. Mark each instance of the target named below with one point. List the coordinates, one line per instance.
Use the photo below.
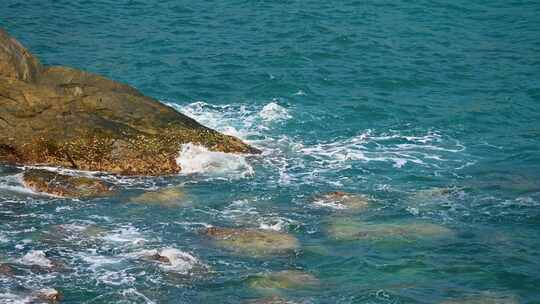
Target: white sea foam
(10, 298)
(14, 183)
(197, 159)
(229, 119)
(274, 112)
(181, 262)
(108, 269)
(275, 223)
(36, 257)
(329, 204)
(240, 210)
(193, 226)
(63, 208)
(129, 295)
(242, 121)
(178, 261)
(129, 235)
(96, 261)
(132, 292)
(392, 147)
(117, 278)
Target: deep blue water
(429, 108)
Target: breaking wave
(198, 159)
(274, 112)
(36, 257)
(310, 161)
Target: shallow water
(430, 109)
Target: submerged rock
(64, 185)
(351, 229)
(342, 201)
(168, 197)
(93, 231)
(61, 116)
(432, 193)
(39, 263)
(70, 235)
(432, 199)
(287, 279)
(253, 242)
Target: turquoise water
(429, 108)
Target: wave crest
(198, 159)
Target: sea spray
(274, 112)
(171, 259)
(36, 257)
(197, 159)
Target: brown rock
(64, 185)
(65, 117)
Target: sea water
(429, 109)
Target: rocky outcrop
(60, 116)
(64, 185)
